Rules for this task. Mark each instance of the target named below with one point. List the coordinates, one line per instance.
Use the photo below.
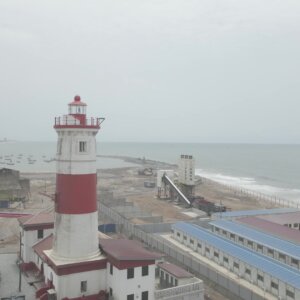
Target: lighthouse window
(82, 146)
(83, 286)
(59, 146)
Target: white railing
(179, 290)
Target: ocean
(269, 169)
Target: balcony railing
(72, 122)
(179, 290)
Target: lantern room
(77, 107)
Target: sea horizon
(272, 169)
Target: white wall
(68, 158)
(69, 285)
(76, 236)
(186, 169)
(122, 286)
(29, 238)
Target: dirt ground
(124, 183)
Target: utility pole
(20, 262)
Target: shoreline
(149, 163)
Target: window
(111, 269)
(217, 229)
(236, 265)
(281, 256)
(274, 285)
(294, 261)
(40, 233)
(145, 271)
(184, 237)
(82, 146)
(270, 251)
(191, 241)
(145, 295)
(250, 243)
(130, 297)
(178, 234)
(224, 232)
(260, 278)
(259, 247)
(290, 294)
(59, 146)
(130, 273)
(216, 254)
(83, 286)
(199, 245)
(295, 225)
(232, 236)
(225, 259)
(176, 282)
(207, 249)
(241, 239)
(110, 291)
(248, 271)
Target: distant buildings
(12, 187)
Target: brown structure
(12, 187)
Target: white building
(186, 172)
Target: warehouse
(272, 228)
(289, 219)
(274, 277)
(248, 213)
(277, 248)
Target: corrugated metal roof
(276, 229)
(282, 246)
(244, 213)
(276, 269)
(175, 270)
(123, 249)
(284, 218)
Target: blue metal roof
(268, 265)
(282, 246)
(243, 213)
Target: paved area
(9, 278)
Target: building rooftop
(284, 218)
(123, 249)
(244, 213)
(278, 270)
(259, 237)
(175, 270)
(272, 228)
(44, 244)
(32, 221)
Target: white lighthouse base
(67, 276)
(76, 237)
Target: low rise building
(271, 276)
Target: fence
(194, 289)
(226, 285)
(257, 195)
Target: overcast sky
(157, 70)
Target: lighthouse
(69, 258)
(76, 217)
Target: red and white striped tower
(76, 217)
